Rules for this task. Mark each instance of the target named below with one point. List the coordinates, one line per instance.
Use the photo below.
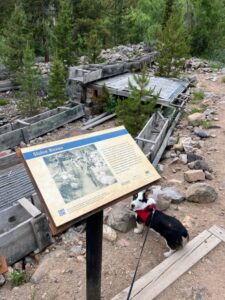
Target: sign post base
(94, 232)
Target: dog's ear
(147, 194)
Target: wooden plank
(11, 139)
(144, 140)
(218, 232)
(96, 118)
(163, 266)
(5, 128)
(99, 121)
(8, 161)
(22, 122)
(30, 208)
(179, 268)
(55, 121)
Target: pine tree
(173, 47)
(138, 108)
(57, 84)
(29, 80)
(15, 39)
(94, 45)
(63, 35)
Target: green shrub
(198, 96)
(206, 124)
(196, 110)
(3, 102)
(17, 278)
(111, 103)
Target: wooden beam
(30, 208)
(100, 121)
(179, 268)
(96, 118)
(218, 232)
(167, 266)
(144, 140)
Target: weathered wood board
(20, 233)
(158, 279)
(30, 128)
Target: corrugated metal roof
(169, 88)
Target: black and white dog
(169, 227)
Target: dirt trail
(66, 275)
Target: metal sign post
(94, 256)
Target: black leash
(135, 273)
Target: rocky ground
(196, 154)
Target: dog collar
(147, 212)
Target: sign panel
(81, 174)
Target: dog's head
(141, 200)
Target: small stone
(172, 141)
(183, 158)
(77, 250)
(178, 147)
(160, 168)
(192, 157)
(81, 258)
(209, 176)
(174, 171)
(213, 135)
(194, 175)
(18, 266)
(199, 165)
(201, 133)
(163, 202)
(2, 280)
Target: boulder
(120, 218)
(194, 175)
(109, 234)
(175, 196)
(195, 119)
(201, 133)
(201, 193)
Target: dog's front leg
(140, 228)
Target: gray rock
(172, 141)
(196, 118)
(192, 157)
(183, 158)
(175, 196)
(201, 193)
(2, 280)
(120, 218)
(77, 250)
(163, 201)
(109, 234)
(71, 235)
(199, 165)
(194, 175)
(201, 133)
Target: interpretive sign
(78, 175)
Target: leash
(135, 273)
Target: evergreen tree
(94, 45)
(40, 15)
(57, 84)
(173, 47)
(138, 108)
(168, 11)
(146, 20)
(63, 37)
(15, 39)
(29, 81)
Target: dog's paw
(168, 253)
(136, 230)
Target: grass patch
(223, 79)
(3, 101)
(17, 278)
(197, 110)
(197, 96)
(206, 124)
(215, 65)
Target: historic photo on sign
(79, 172)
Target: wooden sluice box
(23, 229)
